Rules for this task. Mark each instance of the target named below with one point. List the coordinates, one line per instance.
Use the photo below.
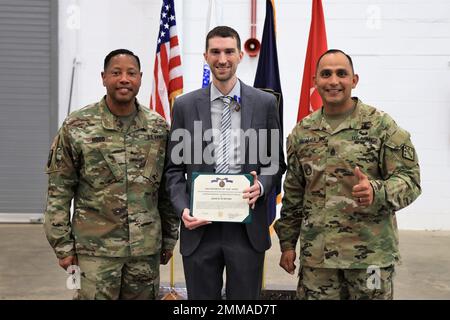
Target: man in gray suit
(208, 248)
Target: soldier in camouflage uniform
(109, 158)
(350, 168)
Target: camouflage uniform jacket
(318, 205)
(114, 178)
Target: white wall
(401, 50)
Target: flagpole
(264, 274)
(208, 17)
(172, 272)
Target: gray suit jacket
(259, 111)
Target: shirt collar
(109, 120)
(235, 92)
(316, 121)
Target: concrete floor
(29, 269)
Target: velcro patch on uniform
(312, 140)
(408, 153)
(155, 136)
(307, 140)
(363, 139)
(98, 139)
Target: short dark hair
(117, 52)
(331, 51)
(224, 32)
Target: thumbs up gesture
(362, 192)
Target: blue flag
(206, 75)
(268, 79)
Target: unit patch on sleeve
(408, 153)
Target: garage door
(28, 104)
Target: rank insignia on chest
(408, 153)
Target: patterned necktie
(223, 152)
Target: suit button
(333, 152)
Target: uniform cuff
(64, 254)
(168, 244)
(379, 194)
(285, 246)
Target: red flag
(168, 77)
(317, 45)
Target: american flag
(168, 76)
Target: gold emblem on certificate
(218, 197)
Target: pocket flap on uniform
(112, 164)
(398, 139)
(150, 169)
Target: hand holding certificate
(253, 192)
(219, 197)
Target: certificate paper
(218, 197)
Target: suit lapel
(203, 106)
(246, 107)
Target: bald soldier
(109, 158)
(350, 168)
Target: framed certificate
(218, 197)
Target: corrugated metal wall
(28, 103)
